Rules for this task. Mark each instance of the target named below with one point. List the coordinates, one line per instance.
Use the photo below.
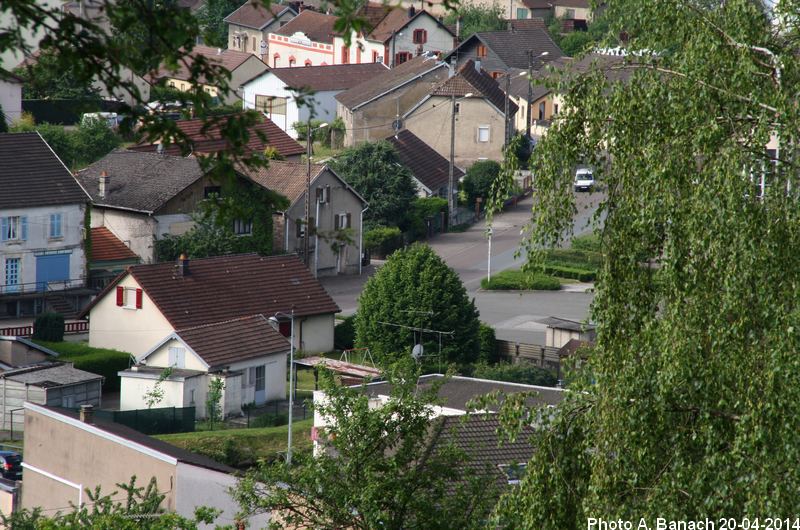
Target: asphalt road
(513, 314)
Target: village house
(480, 130)
(110, 256)
(149, 302)
(246, 353)
(68, 453)
(275, 92)
(574, 14)
(250, 25)
(307, 40)
(335, 245)
(42, 214)
(372, 110)
(431, 171)
(10, 97)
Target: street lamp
(276, 325)
(451, 196)
(309, 133)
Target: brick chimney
(87, 413)
(103, 184)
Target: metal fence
(164, 420)
(276, 413)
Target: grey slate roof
(50, 375)
(140, 181)
(457, 391)
(32, 174)
(470, 81)
(512, 47)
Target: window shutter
(4, 229)
(299, 225)
(327, 193)
(23, 222)
(318, 191)
(347, 224)
(120, 296)
(138, 298)
(336, 222)
(313, 224)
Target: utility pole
(451, 202)
(530, 95)
(394, 39)
(507, 117)
(307, 230)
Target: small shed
(560, 331)
(55, 384)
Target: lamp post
(307, 232)
(275, 323)
(451, 195)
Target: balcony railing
(41, 287)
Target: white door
(261, 386)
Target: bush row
(565, 271)
(518, 280)
(515, 373)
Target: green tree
(416, 289)
(374, 170)
(214, 400)
(377, 468)
(479, 179)
(45, 78)
(476, 18)
(212, 19)
(79, 147)
(693, 407)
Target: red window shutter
(120, 296)
(138, 298)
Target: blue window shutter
(23, 222)
(4, 229)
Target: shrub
(269, 420)
(382, 241)
(516, 279)
(478, 180)
(49, 326)
(515, 373)
(344, 334)
(589, 242)
(488, 342)
(424, 208)
(565, 271)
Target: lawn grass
(101, 361)
(242, 448)
(517, 280)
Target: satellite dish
(416, 353)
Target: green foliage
(45, 78)
(698, 286)
(156, 394)
(270, 420)
(423, 209)
(374, 170)
(3, 123)
(590, 242)
(517, 280)
(100, 361)
(415, 288)
(133, 508)
(78, 147)
(302, 130)
(49, 327)
(488, 344)
(375, 470)
(214, 400)
(566, 271)
(516, 373)
(479, 179)
(476, 17)
(212, 19)
(381, 241)
(576, 43)
(344, 334)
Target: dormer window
(129, 297)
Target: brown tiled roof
(107, 247)
(316, 26)
(390, 80)
(228, 59)
(235, 340)
(226, 287)
(210, 141)
(470, 81)
(527, 23)
(427, 165)
(572, 346)
(590, 62)
(255, 15)
(32, 175)
(330, 77)
(287, 178)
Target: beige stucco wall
(431, 123)
(18, 354)
(281, 48)
(160, 357)
(130, 330)
(83, 458)
(7, 502)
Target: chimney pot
(183, 265)
(412, 11)
(103, 183)
(87, 413)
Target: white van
(584, 179)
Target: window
(555, 108)
(513, 472)
(283, 23)
(570, 14)
(541, 110)
(522, 13)
(68, 402)
(375, 57)
(14, 228)
(275, 61)
(341, 221)
(254, 44)
(483, 133)
(55, 225)
(172, 84)
(12, 272)
(183, 86)
(292, 62)
(242, 228)
(271, 105)
(308, 63)
(345, 55)
(177, 357)
(420, 36)
(401, 57)
(300, 224)
(209, 191)
(129, 297)
(482, 52)
(323, 194)
(191, 396)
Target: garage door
(51, 268)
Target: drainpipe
(316, 242)
(361, 240)
(285, 233)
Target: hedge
(515, 279)
(99, 361)
(49, 326)
(564, 271)
(584, 259)
(383, 240)
(516, 373)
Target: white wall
(133, 389)
(197, 486)
(38, 220)
(274, 373)
(132, 330)
(11, 99)
(268, 84)
(299, 47)
(137, 230)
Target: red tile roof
(226, 287)
(470, 81)
(329, 77)
(425, 163)
(235, 340)
(106, 246)
(210, 141)
(287, 178)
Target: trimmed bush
(49, 326)
(488, 341)
(517, 280)
(382, 241)
(563, 271)
(515, 373)
(582, 259)
(344, 334)
(99, 361)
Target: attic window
(129, 297)
(513, 472)
(420, 36)
(482, 52)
